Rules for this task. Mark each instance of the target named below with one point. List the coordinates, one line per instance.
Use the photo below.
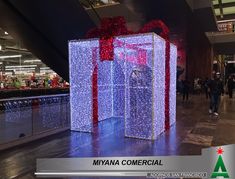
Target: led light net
(159, 86)
(132, 86)
(81, 69)
(105, 90)
(173, 67)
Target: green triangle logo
(220, 169)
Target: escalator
(44, 27)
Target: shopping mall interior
(52, 105)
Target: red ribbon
(167, 86)
(109, 28)
(116, 26)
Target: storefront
(21, 73)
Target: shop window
(23, 74)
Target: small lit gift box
(138, 85)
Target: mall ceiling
(44, 27)
(9, 47)
(224, 9)
(137, 12)
(15, 59)
(223, 43)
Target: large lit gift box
(137, 85)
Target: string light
(81, 69)
(159, 85)
(173, 67)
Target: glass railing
(11, 93)
(22, 118)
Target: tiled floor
(195, 129)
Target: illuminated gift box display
(132, 85)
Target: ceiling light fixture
(229, 20)
(31, 61)
(24, 69)
(105, 1)
(21, 66)
(44, 68)
(230, 61)
(10, 56)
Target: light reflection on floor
(108, 139)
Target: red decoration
(94, 89)
(106, 48)
(156, 24)
(167, 86)
(220, 151)
(116, 26)
(109, 28)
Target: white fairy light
(173, 67)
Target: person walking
(205, 86)
(216, 89)
(230, 86)
(185, 89)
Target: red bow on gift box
(116, 26)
